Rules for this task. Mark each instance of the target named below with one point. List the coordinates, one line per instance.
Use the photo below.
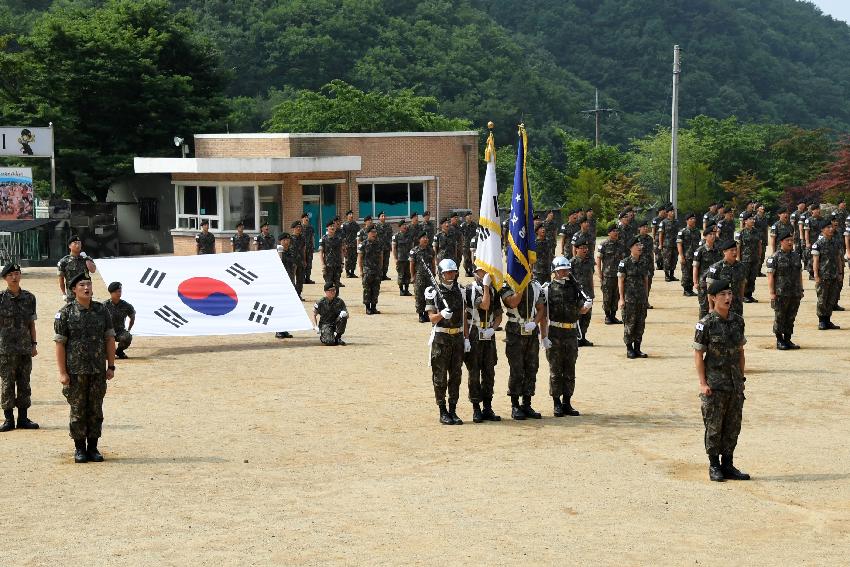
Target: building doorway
(320, 205)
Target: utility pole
(674, 132)
(597, 112)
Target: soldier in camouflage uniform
(633, 285)
(798, 221)
(551, 232)
(240, 242)
(289, 260)
(647, 256)
(785, 282)
(85, 354)
(827, 265)
(591, 221)
(780, 226)
(419, 255)
(627, 227)
(525, 311)
(264, 240)
(445, 243)
(18, 346)
(584, 234)
(456, 233)
(608, 258)
(719, 357)
(299, 245)
(705, 256)
(428, 227)
(749, 250)
(484, 315)
(385, 237)
(349, 231)
(763, 229)
(582, 270)
(731, 270)
(565, 303)
(667, 241)
(543, 264)
(566, 232)
(309, 234)
(401, 246)
(687, 241)
(330, 254)
(656, 236)
(709, 217)
(469, 229)
(205, 240)
(332, 317)
(119, 311)
(812, 227)
(839, 219)
(726, 226)
(370, 259)
(76, 262)
(449, 339)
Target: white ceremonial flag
(211, 294)
(488, 252)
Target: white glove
(343, 314)
(83, 255)
(588, 304)
(488, 333)
(530, 326)
(447, 313)
(279, 248)
(487, 280)
(467, 346)
(546, 343)
(318, 332)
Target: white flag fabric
(211, 294)
(488, 252)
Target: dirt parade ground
(248, 450)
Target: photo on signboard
(16, 193)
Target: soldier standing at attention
(667, 239)
(633, 284)
(525, 312)
(687, 242)
(204, 240)
(85, 355)
(762, 227)
(827, 265)
(719, 358)
(299, 245)
(385, 237)
(73, 264)
(444, 242)
(240, 242)
(119, 311)
(608, 258)
(568, 229)
(419, 255)
(731, 270)
(350, 228)
(627, 225)
(704, 257)
(780, 226)
(369, 258)
(811, 232)
(647, 256)
(583, 235)
(726, 226)
(798, 219)
(309, 234)
(289, 261)
(483, 314)
(18, 346)
(656, 236)
(708, 218)
(330, 255)
(332, 317)
(551, 231)
(402, 242)
(839, 220)
(749, 249)
(588, 214)
(457, 235)
(428, 226)
(582, 269)
(565, 303)
(264, 240)
(785, 282)
(469, 229)
(449, 339)
(363, 233)
(543, 264)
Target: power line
(597, 111)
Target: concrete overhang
(247, 165)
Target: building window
(396, 200)
(241, 202)
(225, 205)
(196, 203)
(148, 213)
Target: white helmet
(447, 265)
(561, 263)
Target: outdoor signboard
(25, 141)
(16, 196)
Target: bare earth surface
(249, 450)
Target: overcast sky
(838, 9)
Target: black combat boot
(792, 346)
(24, 422)
(477, 416)
(630, 351)
(568, 407)
(559, 409)
(368, 308)
(528, 410)
(119, 353)
(614, 320)
(93, 453)
(338, 340)
(729, 471)
(638, 352)
(714, 471)
(609, 319)
(780, 342)
(488, 413)
(453, 414)
(584, 342)
(401, 290)
(830, 324)
(516, 411)
(673, 277)
(9, 423)
(822, 324)
(80, 455)
(375, 309)
(445, 418)
(838, 308)
(423, 317)
(407, 290)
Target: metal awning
(247, 165)
(24, 225)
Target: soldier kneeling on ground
(333, 317)
(120, 311)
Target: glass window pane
(190, 201)
(329, 194)
(240, 206)
(391, 198)
(417, 198)
(311, 190)
(209, 201)
(365, 200)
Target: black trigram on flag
(171, 316)
(261, 313)
(152, 278)
(483, 232)
(241, 273)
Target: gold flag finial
(490, 150)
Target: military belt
(560, 325)
(449, 330)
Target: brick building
(273, 178)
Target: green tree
(586, 188)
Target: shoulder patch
(58, 315)
(712, 269)
(700, 326)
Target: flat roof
(293, 135)
(246, 165)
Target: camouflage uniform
(704, 258)
(722, 341)
(83, 332)
(788, 287)
(430, 229)
(778, 227)
(750, 242)
(627, 230)
(372, 251)
(240, 243)
(205, 243)
(298, 245)
(265, 242)
(420, 280)
(481, 360)
(634, 293)
(798, 222)
(349, 232)
(445, 245)
(762, 227)
(290, 262)
(119, 313)
(566, 232)
(522, 349)
(583, 271)
(331, 247)
(581, 237)
(726, 230)
(551, 235)
(647, 260)
(656, 232)
(543, 265)
(690, 239)
(68, 267)
(669, 251)
(830, 271)
(331, 325)
(813, 225)
(736, 276)
(611, 252)
(385, 237)
(309, 234)
(403, 243)
(469, 229)
(563, 303)
(17, 312)
(456, 233)
(446, 342)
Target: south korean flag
(210, 294)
